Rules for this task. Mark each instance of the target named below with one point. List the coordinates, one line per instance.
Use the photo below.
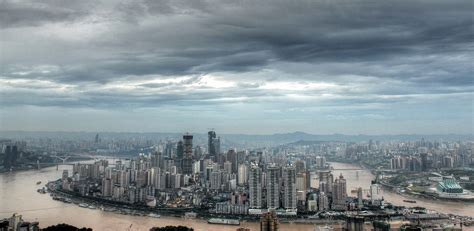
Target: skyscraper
(232, 158)
(269, 222)
(242, 174)
(320, 162)
(156, 159)
(339, 194)
(157, 178)
(308, 179)
(301, 186)
(216, 180)
(107, 185)
(289, 186)
(326, 178)
(255, 187)
(187, 166)
(241, 157)
(301, 181)
(273, 187)
(217, 145)
(168, 149)
(211, 135)
(188, 145)
(323, 202)
(187, 161)
(179, 150)
(213, 145)
(330, 182)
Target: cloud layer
(269, 66)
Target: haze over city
(355, 67)
(236, 115)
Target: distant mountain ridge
(235, 140)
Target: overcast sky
(255, 67)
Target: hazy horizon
(327, 115)
(355, 67)
(249, 134)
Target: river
(18, 194)
(363, 178)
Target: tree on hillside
(65, 227)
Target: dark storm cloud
(113, 54)
(35, 13)
(246, 35)
(96, 97)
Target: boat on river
(190, 215)
(410, 201)
(154, 215)
(324, 228)
(222, 221)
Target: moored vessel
(154, 215)
(222, 221)
(409, 201)
(190, 215)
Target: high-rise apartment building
(339, 194)
(301, 186)
(269, 222)
(156, 159)
(323, 202)
(289, 188)
(242, 176)
(216, 180)
(273, 187)
(255, 186)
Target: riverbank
(18, 193)
(408, 193)
(125, 208)
(142, 210)
(361, 176)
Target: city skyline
(197, 177)
(358, 67)
(237, 115)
